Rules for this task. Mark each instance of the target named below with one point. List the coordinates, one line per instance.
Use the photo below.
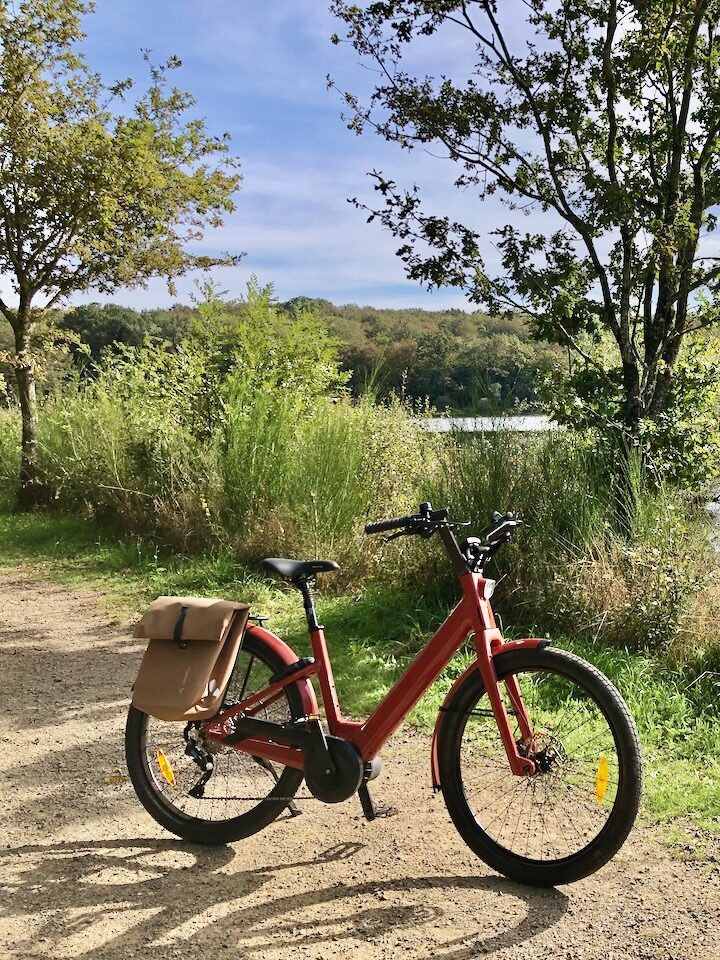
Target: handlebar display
(500, 529)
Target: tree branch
(7, 313)
(564, 207)
(609, 75)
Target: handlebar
(425, 522)
(381, 526)
(472, 553)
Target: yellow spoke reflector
(165, 769)
(601, 779)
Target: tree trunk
(633, 401)
(624, 486)
(29, 488)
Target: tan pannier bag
(190, 656)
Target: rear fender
(288, 656)
(529, 644)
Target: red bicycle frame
(473, 614)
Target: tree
(91, 197)
(603, 116)
(98, 326)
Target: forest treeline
(456, 360)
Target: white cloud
(258, 70)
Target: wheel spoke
(569, 799)
(238, 783)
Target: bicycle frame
(473, 614)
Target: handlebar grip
(383, 525)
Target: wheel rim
(238, 783)
(562, 809)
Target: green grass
(265, 476)
(372, 635)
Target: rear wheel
(575, 812)
(242, 794)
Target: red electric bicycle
(534, 750)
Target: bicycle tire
(592, 687)
(151, 790)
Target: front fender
(531, 643)
(288, 656)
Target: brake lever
(394, 536)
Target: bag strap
(177, 632)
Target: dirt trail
(85, 873)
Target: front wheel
(576, 811)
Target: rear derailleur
(203, 759)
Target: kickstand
(266, 765)
(370, 811)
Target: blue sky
(258, 70)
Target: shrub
(681, 445)
(251, 453)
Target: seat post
(309, 604)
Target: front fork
(488, 641)
(521, 766)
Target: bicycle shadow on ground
(106, 900)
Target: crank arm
(311, 741)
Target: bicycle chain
(267, 796)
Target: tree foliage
(458, 361)
(93, 193)
(257, 347)
(452, 359)
(599, 119)
(99, 326)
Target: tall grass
(155, 447)
(551, 481)
(569, 570)
(306, 484)
(267, 471)
(9, 453)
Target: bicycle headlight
(488, 589)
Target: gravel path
(85, 873)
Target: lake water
(531, 423)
